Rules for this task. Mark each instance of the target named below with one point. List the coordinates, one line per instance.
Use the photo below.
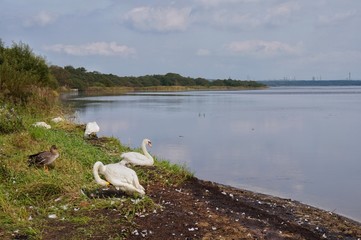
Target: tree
(20, 71)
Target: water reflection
(298, 143)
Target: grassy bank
(29, 196)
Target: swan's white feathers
(137, 158)
(134, 155)
(120, 176)
(91, 127)
(117, 174)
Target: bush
(20, 71)
(10, 121)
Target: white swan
(91, 127)
(120, 176)
(136, 158)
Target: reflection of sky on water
(303, 146)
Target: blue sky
(241, 39)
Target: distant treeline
(27, 78)
(279, 83)
(81, 79)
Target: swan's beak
(150, 144)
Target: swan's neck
(99, 166)
(145, 151)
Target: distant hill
(279, 83)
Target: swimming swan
(136, 158)
(120, 176)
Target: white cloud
(246, 15)
(96, 48)
(41, 19)
(281, 14)
(262, 48)
(203, 52)
(158, 19)
(284, 9)
(226, 18)
(336, 18)
(214, 3)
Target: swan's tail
(136, 182)
(126, 187)
(123, 162)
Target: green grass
(28, 195)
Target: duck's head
(54, 149)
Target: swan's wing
(135, 181)
(133, 155)
(135, 158)
(116, 173)
(124, 178)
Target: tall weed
(10, 120)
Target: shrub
(10, 121)
(20, 71)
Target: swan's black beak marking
(149, 143)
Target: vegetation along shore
(66, 203)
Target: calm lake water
(298, 143)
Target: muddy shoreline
(199, 209)
(207, 210)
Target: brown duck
(44, 158)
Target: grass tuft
(39, 194)
(10, 120)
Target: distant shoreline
(124, 90)
(310, 83)
(267, 83)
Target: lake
(302, 143)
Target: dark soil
(205, 210)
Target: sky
(213, 39)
